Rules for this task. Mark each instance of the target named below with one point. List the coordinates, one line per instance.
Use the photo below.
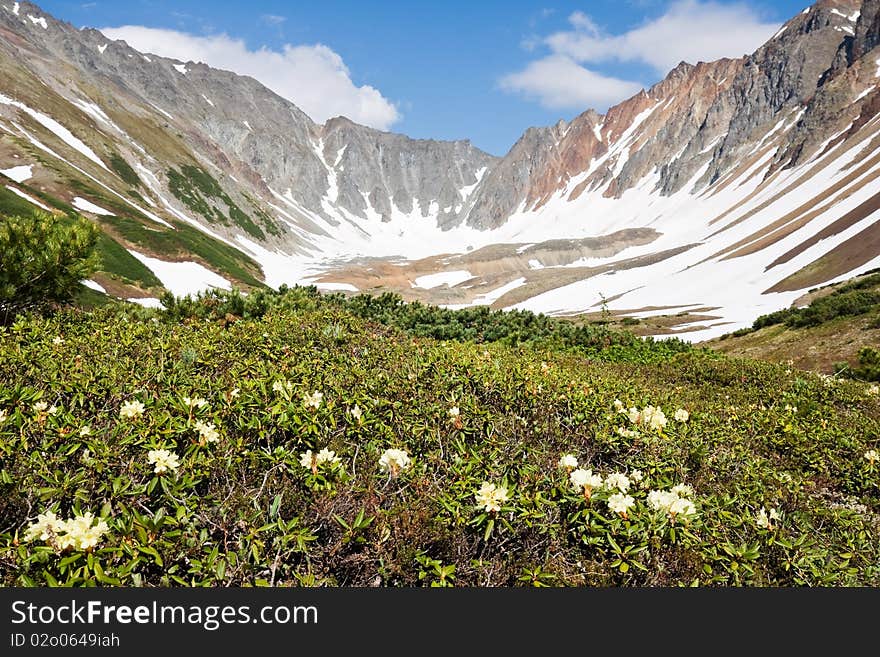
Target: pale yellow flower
(394, 461)
(40, 407)
(872, 456)
(356, 413)
(314, 399)
(617, 480)
(327, 456)
(85, 431)
(567, 461)
(207, 431)
(163, 460)
(620, 503)
(48, 525)
(585, 480)
(681, 415)
(131, 409)
(491, 497)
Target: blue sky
(483, 70)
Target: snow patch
(346, 287)
(15, 8)
(87, 206)
(92, 285)
(28, 198)
(182, 278)
(20, 173)
(101, 49)
(148, 302)
(180, 68)
(57, 129)
(449, 278)
(208, 100)
(38, 21)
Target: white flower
(327, 456)
(620, 503)
(57, 340)
(131, 409)
(307, 460)
(207, 431)
(235, 393)
(567, 461)
(491, 497)
(52, 410)
(47, 525)
(682, 490)
(872, 456)
(356, 413)
(634, 415)
(454, 412)
(282, 386)
(618, 406)
(585, 480)
(394, 460)
(874, 390)
(40, 407)
(314, 400)
(661, 500)
(682, 507)
(197, 402)
(617, 480)
(544, 366)
(163, 460)
(653, 418)
(3, 416)
(765, 520)
(681, 415)
(85, 431)
(636, 475)
(627, 433)
(81, 535)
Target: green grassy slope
(245, 510)
(835, 324)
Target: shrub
(43, 260)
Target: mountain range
(723, 192)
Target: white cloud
(557, 82)
(312, 77)
(690, 30)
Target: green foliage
(199, 192)
(124, 170)
(478, 324)
(114, 259)
(246, 508)
(869, 365)
(43, 260)
(849, 300)
(184, 239)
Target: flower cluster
(43, 408)
(621, 503)
(314, 399)
(3, 416)
(675, 502)
(207, 432)
(650, 416)
(356, 413)
(568, 462)
(163, 460)
(873, 456)
(394, 461)
(197, 402)
(585, 481)
(131, 409)
(491, 497)
(765, 519)
(312, 461)
(78, 533)
(681, 415)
